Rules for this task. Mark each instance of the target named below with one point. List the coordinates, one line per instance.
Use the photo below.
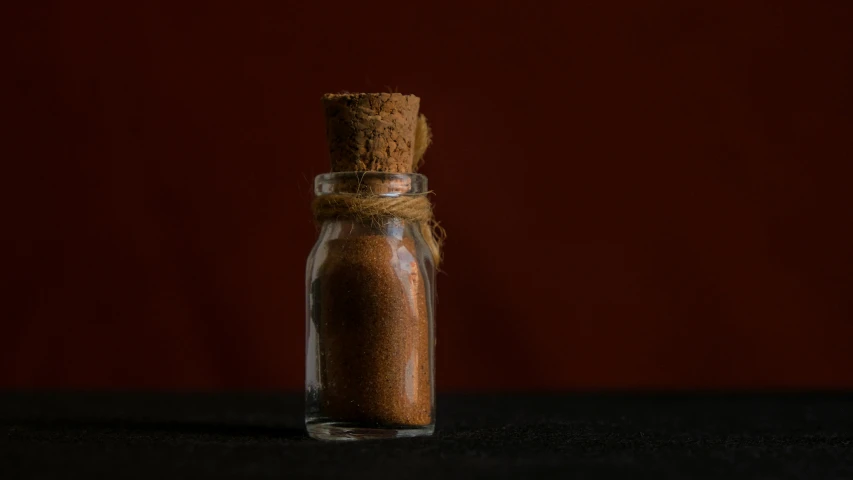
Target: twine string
(377, 209)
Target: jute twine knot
(370, 208)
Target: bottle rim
(384, 184)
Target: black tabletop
(133, 435)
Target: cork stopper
(373, 132)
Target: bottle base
(345, 431)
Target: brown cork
(373, 132)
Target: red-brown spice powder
(374, 333)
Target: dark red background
(638, 194)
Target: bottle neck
(370, 183)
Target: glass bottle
(370, 318)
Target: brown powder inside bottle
(374, 332)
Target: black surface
(159, 436)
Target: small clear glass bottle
(370, 318)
